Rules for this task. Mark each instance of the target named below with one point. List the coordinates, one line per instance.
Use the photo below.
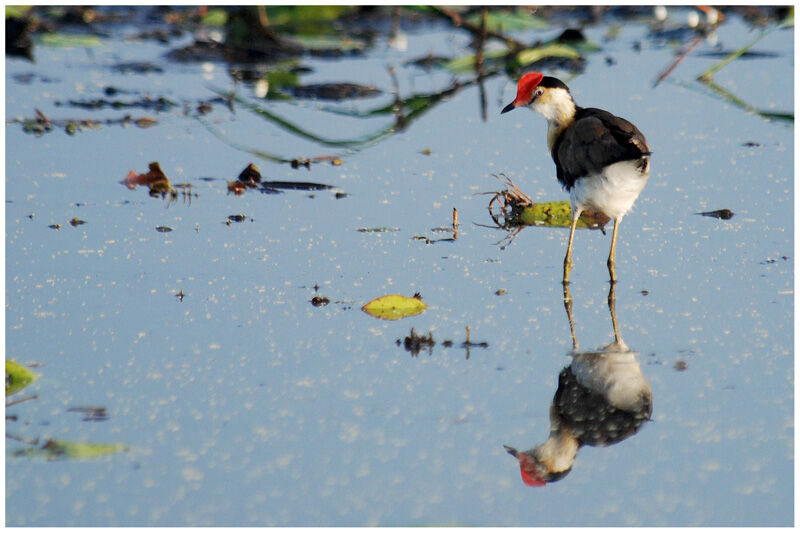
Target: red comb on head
(527, 83)
(531, 479)
(530, 472)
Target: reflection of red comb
(530, 477)
(527, 83)
(528, 468)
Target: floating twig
(23, 399)
(677, 61)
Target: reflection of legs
(612, 307)
(568, 307)
(611, 253)
(576, 213)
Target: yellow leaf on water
(55, 449)
(394, 307)
(17, 377)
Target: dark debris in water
(296, 185)
(723, 214)
(30, 77)
(161, 35)
(320, 301)
(414, 343)
(154, 179)
(91, 414)
(158, 184)
(145, 102)
(237, 187)
(428, 240)
(334, 91)
(428, 62)
(137, 67)
(251, 175)
(773, 261)
(308, 161)
(41, 124)
(163, 229)
(301, 162)
(377, 230)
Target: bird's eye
(538, 92)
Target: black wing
(589, 415)
(593, 141)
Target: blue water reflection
(244, 404)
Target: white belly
(612, 192)
(615, 374)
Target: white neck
(558, 451)
(558, 107)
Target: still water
(241, 403)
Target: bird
(602, 160)
(602, 399)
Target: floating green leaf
(282, 78)
(557, 214)
(532, 55)
(17, 377)
(467, 63)
(63, 40)
(17, 11)
(330, 42)
(304, 15)
(57, 449)
(524, 57)
(504, 21)
(215, 17)
(394, 307)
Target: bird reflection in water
(602, 399)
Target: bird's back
(595, 140)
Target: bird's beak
(509, 449)
(509, 107)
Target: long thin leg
(611, 262)
(576, 213)
(612, 307)
(568, 307)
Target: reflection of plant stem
(20, 400)
(258, 153)
(479, 63)
(706, 76)
(744, 105)
(677, 61)
(400, 119)
(32, 442)
(405, 110)
(288, 126)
